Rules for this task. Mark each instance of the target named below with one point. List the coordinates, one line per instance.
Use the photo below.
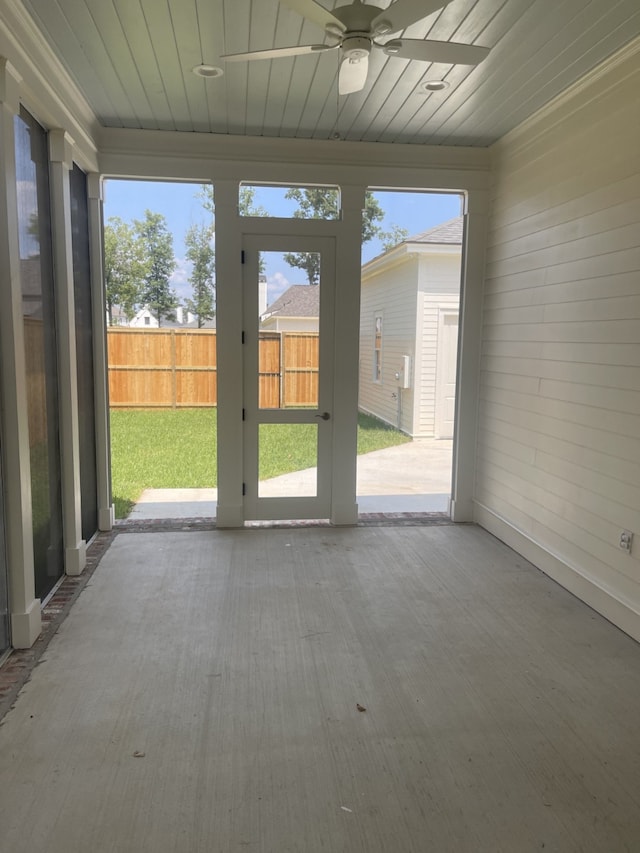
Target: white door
(446, 374)
(276, 421)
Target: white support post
(230, 510)
(23, 606)
(60, 163)
(344, 509)
(106, 513)
(469, 344)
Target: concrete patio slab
(411, 477)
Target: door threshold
(402, 519)
(365, 519)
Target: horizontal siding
(434, 304)
(427, 371)
(440, 273)
(393, 294)
(559, 421)
(440, 287)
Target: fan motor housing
(356, 48)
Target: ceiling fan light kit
(354, 28)
(356, 48)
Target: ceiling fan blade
(314, 12)
(353, 75)
(403, 13)
(427, 50)
(277, 53)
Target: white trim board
(621, 613)
(173, 155)
(47, 90)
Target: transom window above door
(289, 202)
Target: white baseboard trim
(26, 627)
(345, 515)
(75, 559)
(106, 518)
(461, 511)
(229, 515)
(621, 613)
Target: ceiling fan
(355, 29)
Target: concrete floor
(412, 477)
(207, 694)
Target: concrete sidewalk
(411, 477)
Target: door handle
(325, 416)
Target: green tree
(246, 201)
(391, 238)
(199, 243)
(246, 207)
(315, 203)
(125, 267)
(156, 291)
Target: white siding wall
(392, 293)
(558, 471)
(290, 324)
(439, 291)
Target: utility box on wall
(404, 374)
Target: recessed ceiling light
(207, 71)
(435, 85)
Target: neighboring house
(144, 319)
(297, 310)
(118, 317)
(409, 331)
(193, 324)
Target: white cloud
(276, 286)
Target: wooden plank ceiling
(133, 60)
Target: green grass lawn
(176, 449)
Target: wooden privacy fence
(177, 368)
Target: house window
(377, 349)
(147, 321)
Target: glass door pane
(288, 378)
(287, 460)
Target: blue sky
(179, 204)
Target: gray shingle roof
(447, 232)
(299, 300)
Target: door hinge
(244, 489)
(242, 256)
(243, 337)
(243, 414)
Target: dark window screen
(38, 307)
(4, 608)
(84, 350)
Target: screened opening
(289, 202)
(410, 299)
(161, 315)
